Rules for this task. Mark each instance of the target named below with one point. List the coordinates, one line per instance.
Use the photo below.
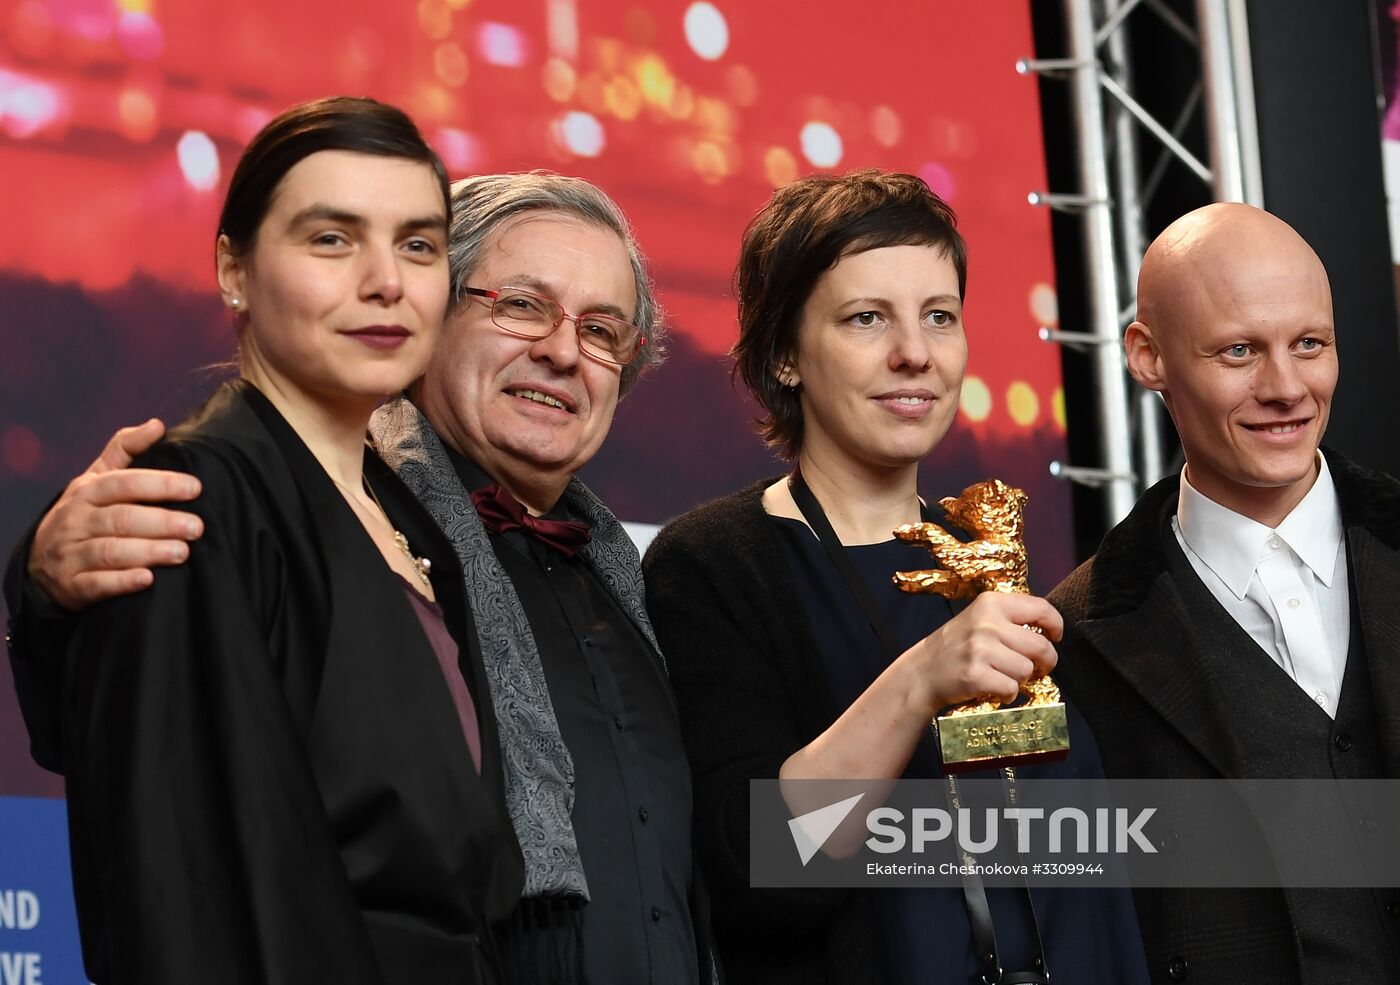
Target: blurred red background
(120, 121)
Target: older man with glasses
(511, 407)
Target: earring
(235, 303)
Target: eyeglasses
(530, 316)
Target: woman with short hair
(852, 340)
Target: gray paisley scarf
(539, 772)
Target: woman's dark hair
(338, 123)
(803, 231)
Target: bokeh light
(1045, 305)
(714, 115)
(976, 400)
(559, 80)
(939, 179)
(655, 78)
(1022, 403)
(1057, 408)
(779, 166)
(561, 28)
(710, 162)
(199, 160)
(137, 112)
(821, 144)
(609, 52)
(435, 18)
(885, 126)
(430, 102)
(26, 106)
(450, 64)
(89, 22)
(592, 92)
(622, 98)
(580, 133)
(460, 151)
(681, 105)
(502, 44)
(742, 85)
(706, 30)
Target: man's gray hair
(481, 203)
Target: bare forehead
(1230, 260)
(1256, 283)
(892, 270)
(369, 185)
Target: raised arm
(984, 651)
(726, 637)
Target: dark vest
(1342, 935)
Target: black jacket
(267, 778)
(1138, 661)
(740, 650)
(752, 690)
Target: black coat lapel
(383, 614)
(1140, 622)
(1154, 650)
(1375, 570)
(449, 586)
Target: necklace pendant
(421, 565)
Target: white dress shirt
(1286, 587)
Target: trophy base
(1002, 737)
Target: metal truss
(1123, 153)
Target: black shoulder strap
(821, 526)
(979, 912)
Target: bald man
(1244, 620)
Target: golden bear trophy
(986, 734)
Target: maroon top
(435, 628)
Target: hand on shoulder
(99, 540)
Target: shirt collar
(1314, 528)
(474, 477)
(1231, 545)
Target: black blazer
(1133, 661)
(267, 777)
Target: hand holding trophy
(985, 733)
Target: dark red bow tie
(500, 511)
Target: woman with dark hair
(282, 759)
(851, 338)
